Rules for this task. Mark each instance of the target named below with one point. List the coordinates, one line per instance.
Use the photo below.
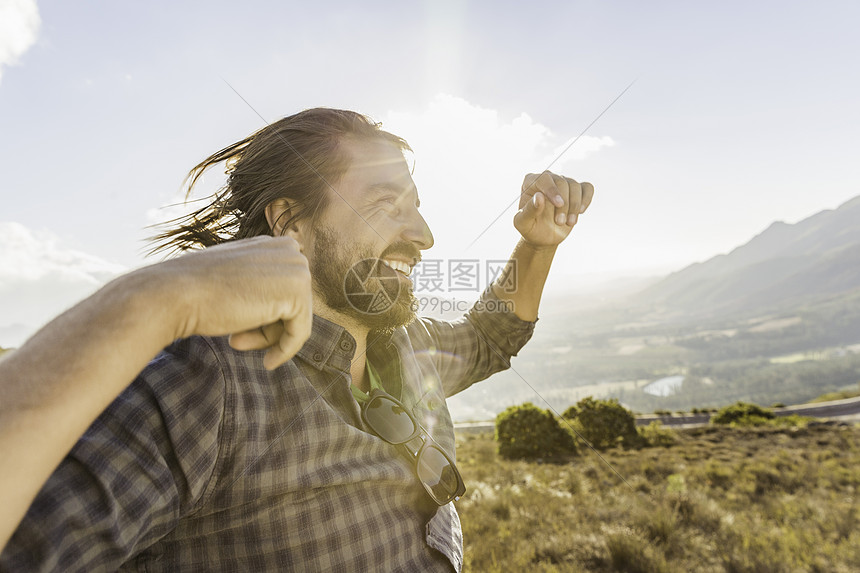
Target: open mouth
(399, 266)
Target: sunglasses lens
(389, 420)
(438, 475)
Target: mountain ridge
(785, 264)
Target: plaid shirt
(209, 462)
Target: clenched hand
(550, 205)
(256, 290)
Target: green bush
(742, 413)
(604, 423)
(654, 434)
(527, 432)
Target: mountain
(786, 264)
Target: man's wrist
(536, 248)
(151, 292)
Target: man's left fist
(550, 206)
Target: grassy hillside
(721, 499)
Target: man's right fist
(256, 290)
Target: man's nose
(418, 232)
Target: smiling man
(299, 442)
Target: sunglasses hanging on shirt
(392, 422)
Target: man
(267, 450)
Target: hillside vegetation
(759, 499)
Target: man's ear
(278, 213)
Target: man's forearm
(53, 387)
(549, 207)
(524, 277)
(56, 384)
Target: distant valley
(776, 320)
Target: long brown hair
(297, 158)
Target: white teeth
(398, 266)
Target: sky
(739, 114)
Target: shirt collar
(329, 343)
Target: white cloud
(39, 278)
(29, 256)
(461, 132)
(469, 165)
(579, 148)
(19, 26)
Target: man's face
(371, 233)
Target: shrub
(696, 510)
(527, 432)
(718, 474)
(742, 412)
(753, 421)
(604, 423)
(659, 524)
(630, 553)
(792, 421)
(654, 434)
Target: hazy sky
(742, 113)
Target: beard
(353, 281)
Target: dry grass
(720, 499)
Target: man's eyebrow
(382, 188)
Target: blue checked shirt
(208, 462)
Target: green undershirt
(374, 383)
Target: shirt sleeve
(145, 462)
(479, 344)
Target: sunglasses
(392, 422)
